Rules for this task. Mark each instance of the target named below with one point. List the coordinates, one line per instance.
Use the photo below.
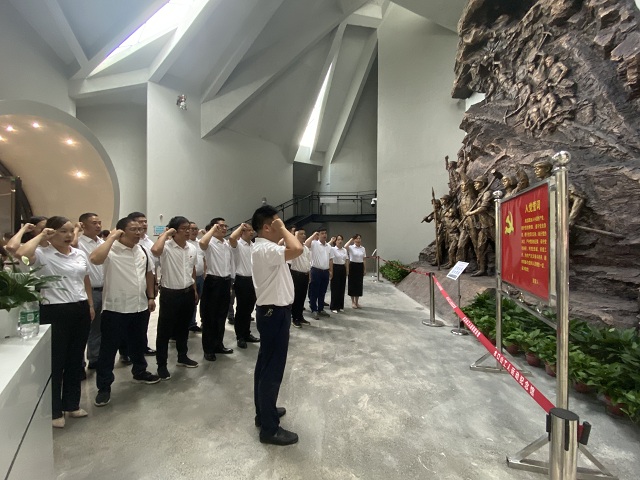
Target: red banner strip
(528, 387)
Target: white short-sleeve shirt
(339, 255)
(72, 267)
(303, 262)
(320, 255)
(242, 258)
(96, 273)
(177, 265)
(357, 254)
(218, 256)
(125, 280)
(199, 258)
(271, 277)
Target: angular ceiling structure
(254, 66)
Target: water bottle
(29, 320)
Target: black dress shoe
(211, 357)
(252, 339)
(149, 351)
(242, 343)
(224, 350)
(281, 412)
(281, 437)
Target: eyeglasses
(135, 229)
(193, 228)
(184, 229)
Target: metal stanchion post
(460, 330)
(563, 447)
(432, 305)
(497, 195)
(377, 269)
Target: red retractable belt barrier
(518, 376)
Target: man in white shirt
(147, 243)
(300, 267)
(200, 271)
(321, 266)
(240, 242)
(128, 298)
(274, 290)
(91, 226)
(178, 295)
(217, 288)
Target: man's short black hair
(175, 222)
(123, 223)
(321, 229)
(261, 216)
(213, 222)
(86, 216)
(136, 215)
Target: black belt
(321, 269)
(216, 277)
(176, 290)
(298, 271)
(244, 276)
(286, 307)
(97, 289)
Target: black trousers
(300, 287)
(338, 284)
(176, 311)
(118, 329)
(245, 301)
(70, 324)
(318, 288)
(213, 310)
(273, 324)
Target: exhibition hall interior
(472, 165)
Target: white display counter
(26, 437)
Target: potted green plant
(514, 340)
(16, 289)
(547, 353)
(582, 369)
(530, 347)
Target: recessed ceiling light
(35, 125)
(1, 138)
(79, 174)
(69, 141)
(10, 128)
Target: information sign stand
(454, 274)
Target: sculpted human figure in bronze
(468, 231)
(485, 223)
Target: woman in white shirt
(357, 269)
(68, 307)
(340, 258)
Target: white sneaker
(78, 413)
(58, 422)
(334, 311)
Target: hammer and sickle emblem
(509, 221)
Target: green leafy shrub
(394, 271)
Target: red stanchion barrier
(523, 381)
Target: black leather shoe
(242, 343)
(149, 351)
(281, 412)
(211, 357)
(252, 339)
(224, 350)
(281, 437)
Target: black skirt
(356, 275)
(338, 282)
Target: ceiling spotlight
(182, 102)
(79, 174)
(69, 141)
(10, 128)
(35, 125)
(2, 138)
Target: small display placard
(158, 230)
(457, 270)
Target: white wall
(29, 68)
(418, 124)
(224, 175)
(122, 130)
(354, 167)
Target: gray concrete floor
(372, 393)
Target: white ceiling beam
(331, 56)
(368, 16)
(117, 39)
(67, 32)
(254, 75)
(260, 15)
(198, 16)
(91, 87)
(350, 6)
(365, 62)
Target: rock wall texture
(562, 75)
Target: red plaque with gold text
(525, 241)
